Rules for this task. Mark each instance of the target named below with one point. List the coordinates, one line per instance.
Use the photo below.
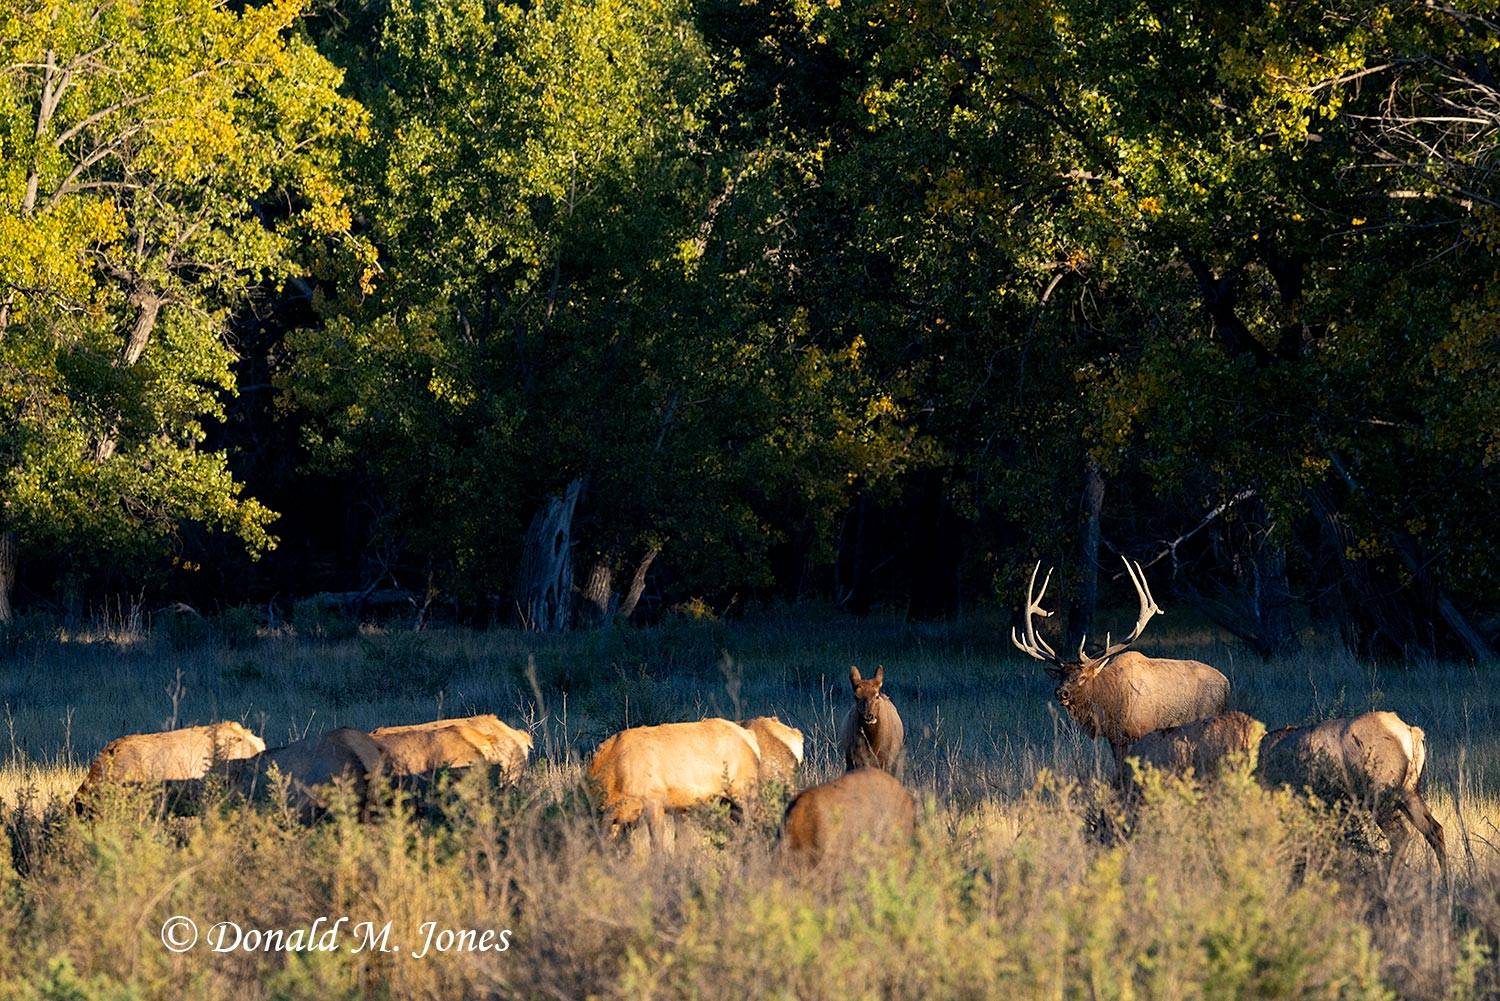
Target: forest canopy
(568, 310)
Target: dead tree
(544, 590)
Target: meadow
(1028, 878)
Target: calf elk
(310, 764)
(1199, 747)
(872, 734)
(867, 808)
(1117, 693)
(1375, 759)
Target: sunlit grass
(1023, 886)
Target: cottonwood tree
(159, 161)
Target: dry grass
(1020, 886)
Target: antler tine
(1149, 608)
(1143, 591)
(1033, 645)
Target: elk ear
(879, 675)
(854, 677)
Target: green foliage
(317, 620)
(158, 163)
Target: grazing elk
(780, 748)
(1198, 747)
(872, 734)
(310, 764)
(455, 743)
(1117, 693)
(863, 809)
(647, 772)
(170, 756)
(1375, 759)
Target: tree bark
(1086, 596)
(599, 598)
(637, 584)
(1271, 595)
(7, 575)
(544, 591)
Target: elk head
(1084, 665)
(867, 693)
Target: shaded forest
(550, 312)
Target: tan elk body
(780, 748)
(1376, 759)
(1119, 694)
(1201, 746)
(861, 810)
(872, 734)
(646, 772)
(455, 743)
(170, 756)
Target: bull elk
(872, 734)
(1118, 693)
(867, 808)
(1375, 759)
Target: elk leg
(1394, 828)
(1411, 803)
(662, 828)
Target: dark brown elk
(1117, 693)
(872, 734)
(1375, 759)
(1198, 747)
(862, 810)
(309, 766)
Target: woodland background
(551, 311)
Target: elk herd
(1169, 714)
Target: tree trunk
(7, 575)
(544, 591)
(637, 584)
(599, 598)
(1271, 595)
(1086, 595)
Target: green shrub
(237, 627)
(182, 627)
(316, 620)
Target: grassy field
(1020, 885)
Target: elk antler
(1033, 645)
(1148, 609)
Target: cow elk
(419, 748)
(1199, 747)
(872, 734)
(171, 756)
(863, 810)
(1118, 693)
(1375, 760)
(780, 748)
(649, 772)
